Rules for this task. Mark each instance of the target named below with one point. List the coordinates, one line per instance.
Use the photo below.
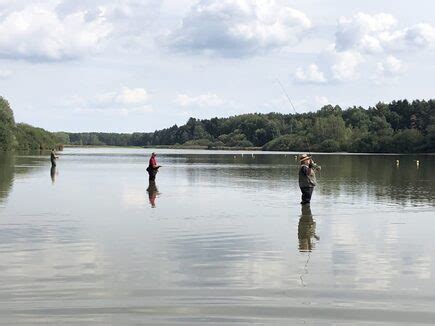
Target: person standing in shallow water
(153, 168)
(307, 177)
(53, 157)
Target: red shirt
(153, 161)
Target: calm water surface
(219, 239)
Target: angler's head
(304, 159)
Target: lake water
(219, 239)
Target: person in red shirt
(153, 168)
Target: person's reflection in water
(306, 229)
(152, 193)
(53, 174)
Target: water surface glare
(220, 238)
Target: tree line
(400, 127)
(21, 136)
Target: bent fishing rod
(293, 107)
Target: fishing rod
(285, 92)
(293, 107)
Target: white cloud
(345, 65)
(379, 33)
(389, 70)
(38, 32)
(365, 38)
(419, 36)
(363, 31)
(369, 42)
(239, 27)
(132, 20)
(5, 73)
(311, 74)
(202, 101)
(332, 66)
(123, 102)
(391, 67)
(126, 96)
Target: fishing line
(293, 107)
(288, 97)
(305, 270)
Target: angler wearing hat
(307, 177)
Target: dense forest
(21, 136)
(401, 127)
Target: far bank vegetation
(400, 127)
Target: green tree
(7, 126)
(408, 141)
(382, 128)
(330, 127)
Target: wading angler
(307, 177)
(153, 168)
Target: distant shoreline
(223, 148)
(254, 149)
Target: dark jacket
(307, 177)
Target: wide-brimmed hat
(304, 157)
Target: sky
(142, 65)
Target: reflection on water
(229, 242)
(307, 229)
(14, 166)
(6, 174)
(152, 192)
(380, 177)
(53, 174)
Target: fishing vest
(306, 180)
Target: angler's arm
(306, 170)
(314, 166)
